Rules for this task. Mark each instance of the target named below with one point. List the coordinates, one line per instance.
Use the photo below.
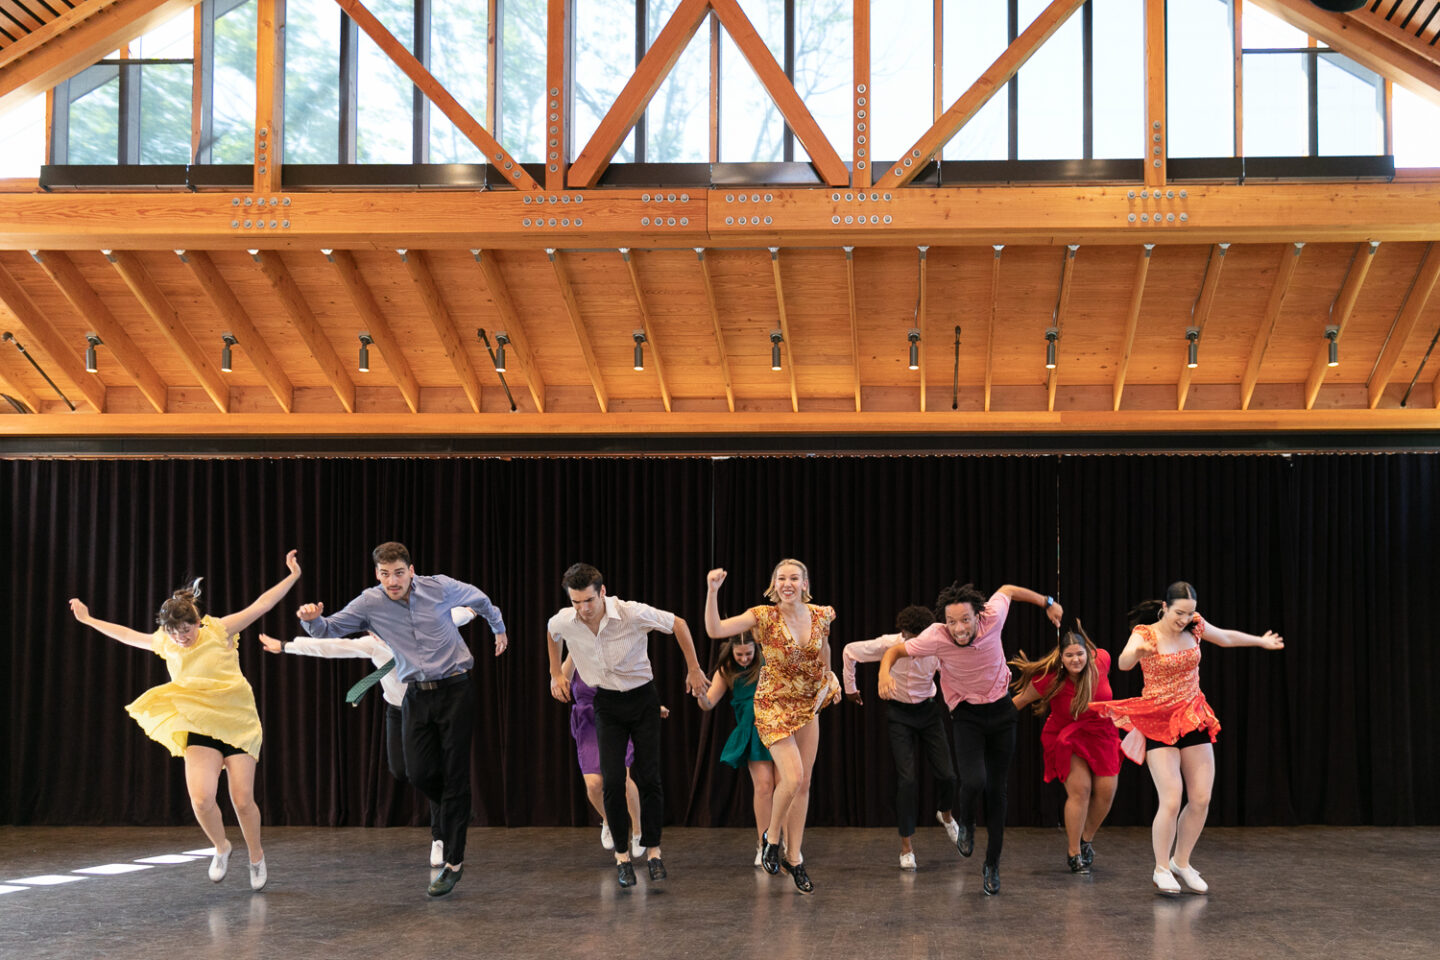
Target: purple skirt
(582, 728)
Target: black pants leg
(937, 751)
(904, 744)
(621, 718)
(439, 725)
(984, 746)
(395, 759)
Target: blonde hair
(774, 597)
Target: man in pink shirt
(975, 680)
(916, 720)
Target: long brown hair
(727, 667)
(1031, 670)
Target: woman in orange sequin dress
(1176, 723)
(795, 683)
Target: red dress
(1092, 737)
(1171, 704)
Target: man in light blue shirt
(412, 613)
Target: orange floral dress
(1171, 705)
(794, 676)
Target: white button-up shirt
(914, 676)
(617, 657)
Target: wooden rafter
(656, 355)
(269, 95)
(172, 327)
(1405, 321)
(784, 327)
(418, 263)
(999, 249)
(1200, 313)
(860, 100)
(1062, 306)
(1289, 258)
(68, 279)
(302, 318)
(577, 322)
(20, 15)
(1339, 317)
(1132, 320)
(772, 77)
(377, 326)
(43, 334)
(715, 320)
(514, 328)
(649, 74)
(494, 154)
(557, 136)
(1052, 18)
(920, 307)
(228, 308)
(1157, 131)
(850, 291)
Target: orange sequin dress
(1171, 705)
(794, 675)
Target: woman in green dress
(738, 670)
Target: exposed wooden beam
(714, 87)
(377, 326)
(998, 74)
(651, 72)
(269, 95)
(860, 99)
(1157, 131)
(492, 63)
(850, 290)
(557, 94)
(772, 77)
(128, 264)
(582, 334)
(784, 320)
(1405, 321)
(514, 328)
(1289, 258)
(920, 306)
(302, 318)
(1062, 306)
(1237, 44)
(715, 320)
(418, 263)
(20, 15)
(1200, 313)
(237, 319)
(999, 249)
(44, 335)
(1132, 320)
(68, 279)
(657, 356)
(74, 40)
(13, 371)
(494, 154)
(1339, 317)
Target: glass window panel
(22, 139)
(1261, 28)
(385, 97)
(1118, 62)
(677, 121)
(974, 37)
(902, 76)
(166, 92)
(751, 128)
(234, 86)
(1351, 108)
(172, 40)
(1052, 105)
(95, 115)
(522, 79)
(1277, 105)
(604, 60)
(459, 59)
(312, 81)
(825, 68)
(1417, 129)
(1200, 78)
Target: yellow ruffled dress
(206, 694)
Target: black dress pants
(620, 718)
(395, 759)
(439, 725)
(916, 726)
(984, 747)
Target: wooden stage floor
(355, 894)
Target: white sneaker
(952, 827)
(219, 863)
(907, 861)
(1165, 881)
(606, 840)
(637, 849)
(437, 853)
(258, 876)
(1190, 877)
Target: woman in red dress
(1171, 726)
(1082, 749)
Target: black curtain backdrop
(1338, 553)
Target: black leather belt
(445, 682)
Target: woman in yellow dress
(206, 713)
(795, 683)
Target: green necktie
(353, 695)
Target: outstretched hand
(292, 563)
(270, 644)
(1269, 641)
(77, 607)
(310, 611)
